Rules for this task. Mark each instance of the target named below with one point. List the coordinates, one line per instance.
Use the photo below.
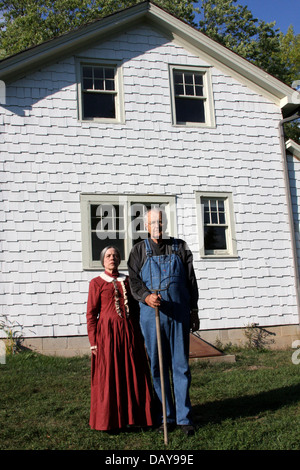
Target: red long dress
(120, 378)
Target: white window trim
(208, 96)
(231, 251)
(120, 112)
(87, 199)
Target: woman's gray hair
(102, 254)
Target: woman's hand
(94, 350)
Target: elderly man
(166, 264)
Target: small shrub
(257, 337)
(13, 339)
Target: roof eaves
(273, 89)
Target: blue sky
(284, 12)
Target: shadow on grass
(246, 406)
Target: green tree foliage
(292, 131)
(289, 53)
(27, 23)
(234, 26)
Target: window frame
(209, 112)
(88, 199)
(118, 92)
(230, 234)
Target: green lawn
(252, 404)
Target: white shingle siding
(49, 158)
(294, 178)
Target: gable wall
(49, 158)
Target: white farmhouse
(135, 109)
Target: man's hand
(153, 300)
(194, 320)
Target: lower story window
(216, 220)
(119, 221)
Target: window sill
(219, 256)
(101, 121)
(196, 125)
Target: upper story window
(100, 92)
(192, 101)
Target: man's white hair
(156, 210)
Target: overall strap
(175, 245)
(148, 248)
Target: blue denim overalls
(167, 272)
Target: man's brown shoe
(188, 429)
(170, 428)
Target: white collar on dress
(108, 278)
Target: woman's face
(111, 260)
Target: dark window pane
(109, 85)
(120, 223)
(98, 105)
(213, 204)
(206, 217)
(179, 89)
(107, 217)
(198, 79)
(109, 73)
(87, 84)
(221, 209)
(189, 110)
(99, 84)
(214, 218)
(214, 238)
(98, 72)
(178, 78)
(189, 90)
(188, 78)
(98, 245)
(222, 218)
(199, 90)
(206, 204)
(87, 72)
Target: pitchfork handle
(161, 370)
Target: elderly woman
(120, 378)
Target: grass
(252, 404)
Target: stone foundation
(67, 346)
(277, 337)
